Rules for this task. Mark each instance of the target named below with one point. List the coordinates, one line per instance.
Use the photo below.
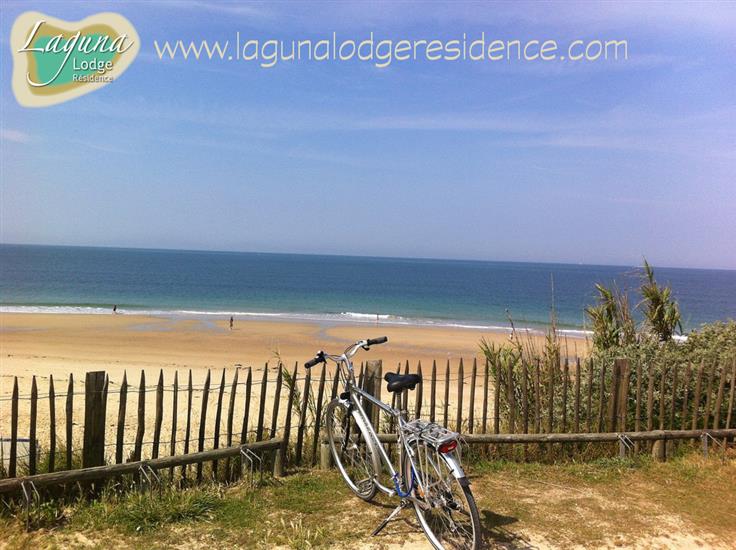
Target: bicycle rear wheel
(353, 451)
(450, 516)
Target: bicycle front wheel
(448, 514)
(353, 451)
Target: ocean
(333, 289)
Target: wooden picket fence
(285, 407)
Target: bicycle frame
(356, 395)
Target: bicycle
(428, 475)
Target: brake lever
(366, 348)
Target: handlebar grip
(317, 360)
(376, 341)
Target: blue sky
(598, 162)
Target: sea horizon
(331, 288)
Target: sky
(592, 162)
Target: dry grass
(686, 502)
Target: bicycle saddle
(399, 382)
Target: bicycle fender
(454, 465)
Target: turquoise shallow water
(332, 288)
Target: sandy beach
(42, 345)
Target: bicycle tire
(472, 508)
(359, 455)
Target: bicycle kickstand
(392, 515)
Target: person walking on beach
(115, 308)
(231, 322)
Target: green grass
(604, 502)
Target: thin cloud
(15, 136)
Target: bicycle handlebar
(321, 357)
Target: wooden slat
(159, 418)
(13, 460)
(287, 420)
(277, 400)
(174, 418)
(616, 379)
(318, 411)
(537, 397)
(576, 409)
(685, 392)
(32, 445)
(218, 420)
(471, 412)
(203, 421)
(731, 393)
(93, 451)
(230, 418)
(623, 402)
(52, 424)
(84, 475)
(551, 396)
(138, 446)
(433, 391)
(405, 393)
(650, 398)
(719, 401)
(120, 432)
(511, 397)
(589, 399)
(246, 406)
(419, 391)
(188, 427)
(524, 397)
(447, 394)
(673, 400)
(484, 423)
(262, 404)
(69, 420)
(497, 398)
(335, 384)
(379, 384)
(662, 382)
(565, 387)
(303, 417)
(696, 395)
(460, 383)
(602, 396)
(637, 412)
(708, 392)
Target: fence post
(615, 393)
(93, 451)
(303, 417)
(32, 447)
(52, 422)
(69, 420)
(159, 418)
(13, 429)
(576, 410)
(623, 400)
(121, 420)
(460, 382)
(287, 421)
(320, 397)
(471, 412)
(484, 425)
(565, 387)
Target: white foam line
(344, 317)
